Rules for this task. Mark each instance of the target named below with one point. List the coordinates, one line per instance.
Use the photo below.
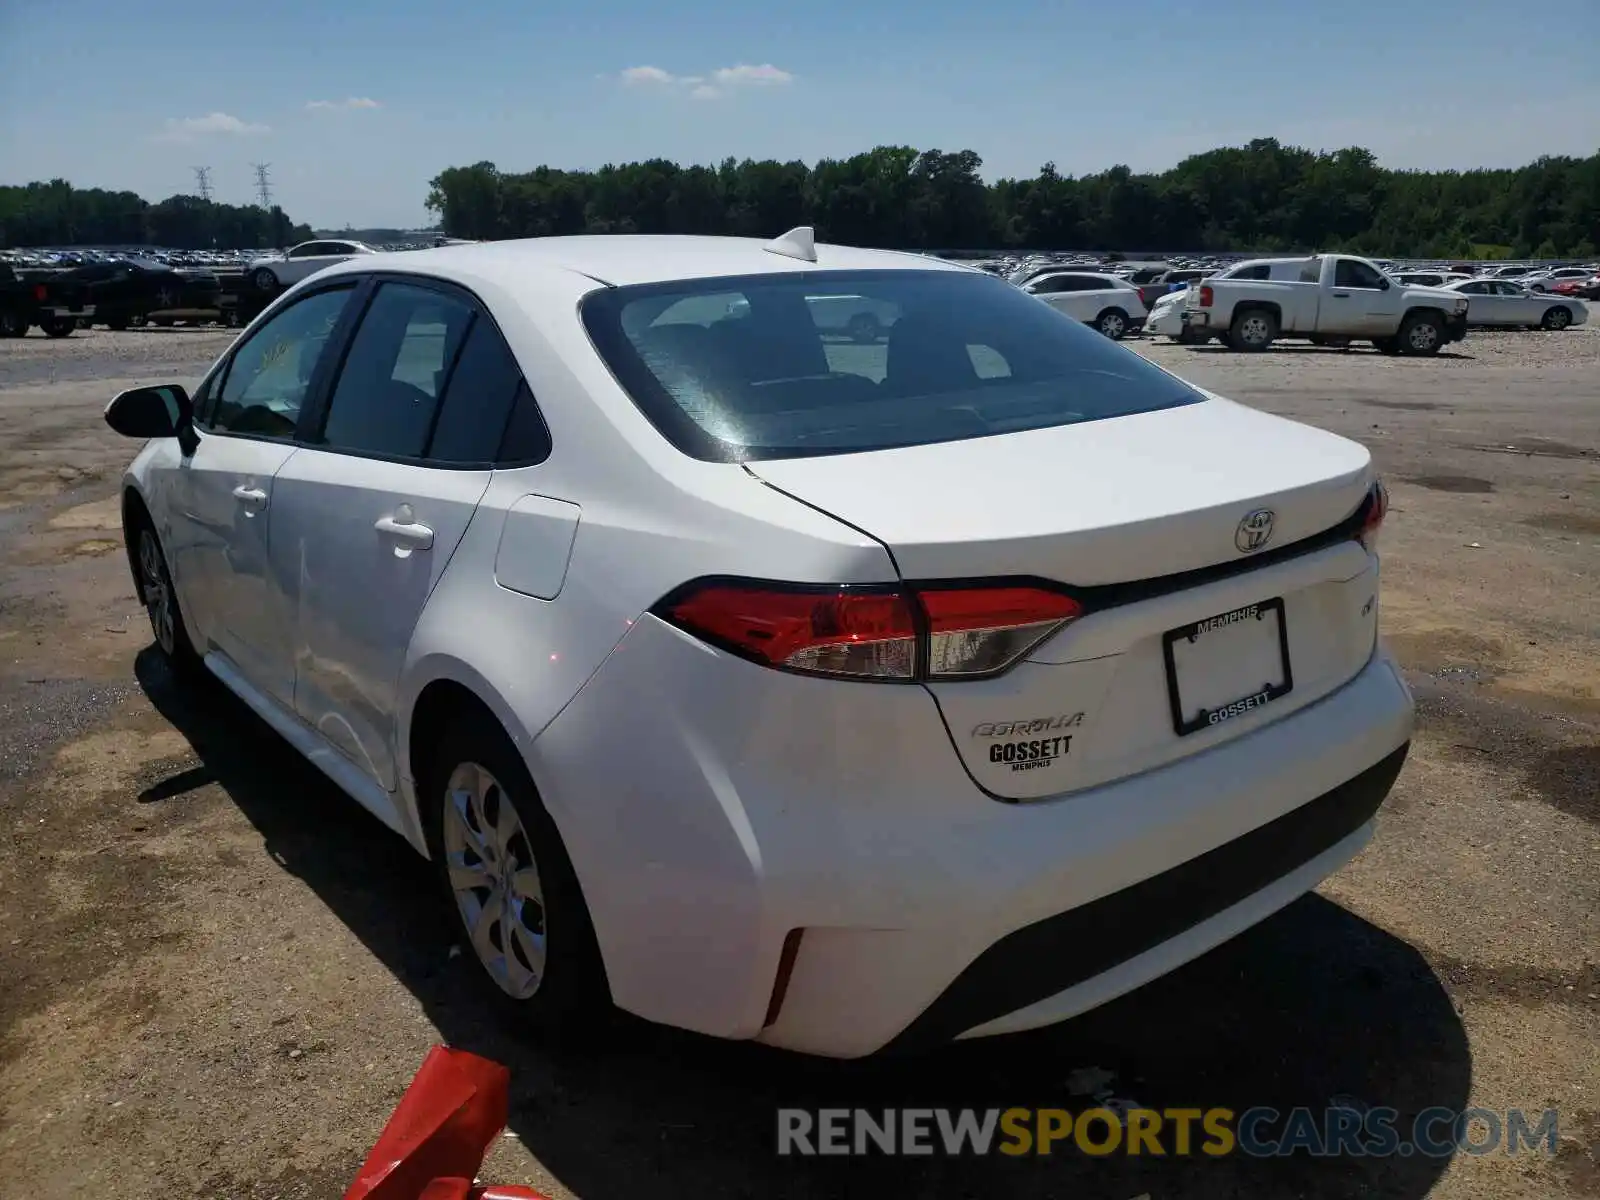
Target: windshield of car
(834, 362)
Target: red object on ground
(435, 1140)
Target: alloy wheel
(157, 593)
(489, 860)
(1424, 336)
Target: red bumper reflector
(780, 982)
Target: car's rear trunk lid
(1129, 501)
(1092, 503)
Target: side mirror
(152, 412)
(1383, 285)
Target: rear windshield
(835, 362)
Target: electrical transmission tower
(263, 185)
(202, 182)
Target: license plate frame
(1184, 726)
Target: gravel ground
(219, 975)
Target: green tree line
(1263, 196)
(58, 214)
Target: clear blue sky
(356, 104)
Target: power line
(202, 182)
(263, 185)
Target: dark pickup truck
(19, 302)
(1151, 290)
(124, 293)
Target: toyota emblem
(1255, 531)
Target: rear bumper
(1169, 323)
(749, 805)
(1065, 964)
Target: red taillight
(873, 632)
(1206, 295)
(978, 631)
(1372, 515)
(857, 632)
(40, 292)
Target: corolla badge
(1254, 531)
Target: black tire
(13, 323)
(263, 280)
(1253, 330)
(864, 329)
(160, 599)
(1421, 335)
(58, 327)
(1113, 323)
(571, 993)
(1556, 317)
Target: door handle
(1342, 295)
(250, 497)
(410, 533)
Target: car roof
(622, 259)
(1086, 273)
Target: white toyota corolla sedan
(769, 681)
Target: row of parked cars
(221, 260)
(1580, 281)
(119, 289)
(1329, 299)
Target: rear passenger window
(482, 403)
(387, 393)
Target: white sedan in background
(1505, 302)
(1109, 304)
(833, 695)
(273, 271)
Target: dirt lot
(217, 976)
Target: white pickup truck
(1336, 298)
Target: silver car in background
(1507, 303)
